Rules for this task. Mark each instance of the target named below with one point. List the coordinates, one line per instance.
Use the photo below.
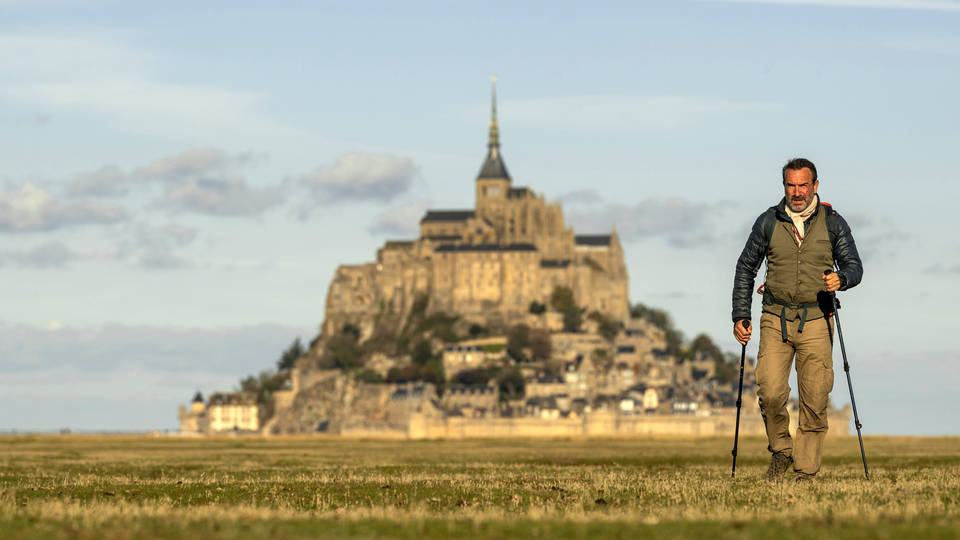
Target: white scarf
(799, 217)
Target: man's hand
(742, 334)
(831, 281)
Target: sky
(180, 180)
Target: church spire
(493, 166)
(494, 128)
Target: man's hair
(797, 164)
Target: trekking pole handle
(745, 323)
(828, 271)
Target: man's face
(799, 189)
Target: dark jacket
(844, 253)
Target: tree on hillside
(290, 356)
(424, 366)
(511, 384)
(703, 344)
(540, 346)
(564, 301)
(562, 298)
(343, 351)
(607, 328)
(518, 339)
(477, 376)
(422, 352)
(661, 319)
(263, 386)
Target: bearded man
(801, 238)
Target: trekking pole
(736, 434)
(846, 368)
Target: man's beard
(805, 203)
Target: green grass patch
(138, 487)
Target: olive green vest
(795, 274)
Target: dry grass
(133, 487)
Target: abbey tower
(513, 248)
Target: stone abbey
(513, 248)
(479, 271)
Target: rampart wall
(594, 424)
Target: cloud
(109, 181)
(191, 163)
(79, 377)
(877, 240)
(361, 177)
(189, 186)
(622, 114)
(940, 269)
(48, 255)
(34, 209)
(155, 247)
(227, 197)
(682, 223)
(582, 196)
(402, 221)
(95, 75)
(926, 5)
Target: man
(801, 238)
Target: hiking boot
(801, 478)
(779, 463)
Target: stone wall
(606, 424)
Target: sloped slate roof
(593, 240)
(447, 215)
(493, 166)
(518, 193)
(486, 247)
(398, 244)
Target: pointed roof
(493, 166)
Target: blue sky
(181, 173)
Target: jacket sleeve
(747, 265)
(845, 253)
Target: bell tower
(493, 182)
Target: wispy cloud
(53, 254)
(93, 74)
(928, 5)
(108, 181)
(80, 377)
(580, 197)
(33, 208)
(190, 163)
(361, 177)
(220, 197)
(156, 248)
(940, 268)
(402, 221)
(682, 223)
(876, 239)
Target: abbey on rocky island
(494, 260)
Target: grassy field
(79, 487)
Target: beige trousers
(814, 353)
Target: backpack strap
(833, 224)
(769, 222)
